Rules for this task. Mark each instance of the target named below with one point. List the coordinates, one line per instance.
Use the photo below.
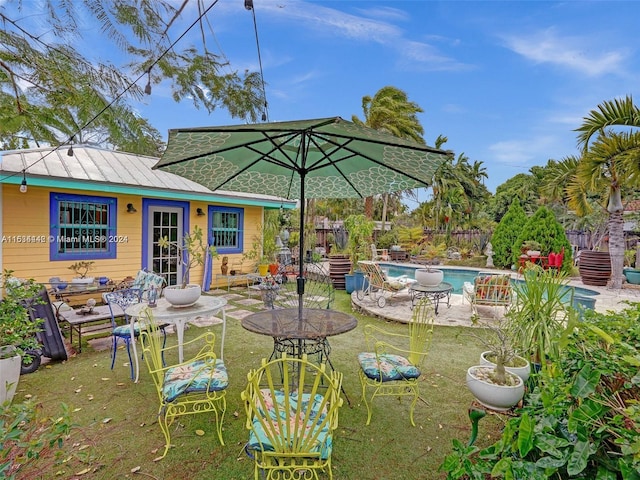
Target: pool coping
(459, 313)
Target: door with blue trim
(165, 222)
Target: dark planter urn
(595, 267)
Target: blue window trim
(240, 213)
(54, 228)
(154, 202)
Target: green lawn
(116, 433)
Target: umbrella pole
(300, 279)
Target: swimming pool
(457, 277)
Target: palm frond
(614, 112)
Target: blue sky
(506, 82)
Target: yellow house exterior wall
(25, 236)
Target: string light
(147, 88)
(23, 185)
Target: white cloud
(523, 153)
(570, 52)
(412, 53)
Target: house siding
(26, 230)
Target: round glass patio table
(296, 336)
(164, 312)
(432, 292)
(283, 323)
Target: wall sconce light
(200, 212)
(23, 185)
(131, 208)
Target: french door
(165, 222)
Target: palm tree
(390, 110)
(609, 165)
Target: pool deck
(459, 313)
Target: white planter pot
(182, 297)
(9, 373)
(522, 372)
(429, 277)
(496, 397)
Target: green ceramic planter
(632, 275)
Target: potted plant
(493, 382)
(631, 274)
(540, 313)
(531, 248)
(431, 252)
(191, 252)
(17, 330)
(359, 229)
(81, 269)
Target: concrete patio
(459, 312)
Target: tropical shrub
(506, 234)
(582, 420)
(25, 433)
(543, 228)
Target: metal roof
(93, 166)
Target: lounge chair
(377, 283)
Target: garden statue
(489, 253)
(225, 265)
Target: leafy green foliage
(540, 313)
(543, 228)
(505, 236)
(49, 92)
(360, 230)
(16, 327)
(582, 420)
(25, 432)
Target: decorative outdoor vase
(10, 363)
(523, 372)
(632, 275)
(429, 277)
(496, 397)
(595, 267)
(182, 297)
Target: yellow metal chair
(195, 386)
(291, 418)
(377, 283)
(394, 364)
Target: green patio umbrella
(300, 159)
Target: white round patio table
(164, 312)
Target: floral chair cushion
(259, 438)
(390, 367)
(125, 330)
(197, 376)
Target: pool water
(457, 277)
